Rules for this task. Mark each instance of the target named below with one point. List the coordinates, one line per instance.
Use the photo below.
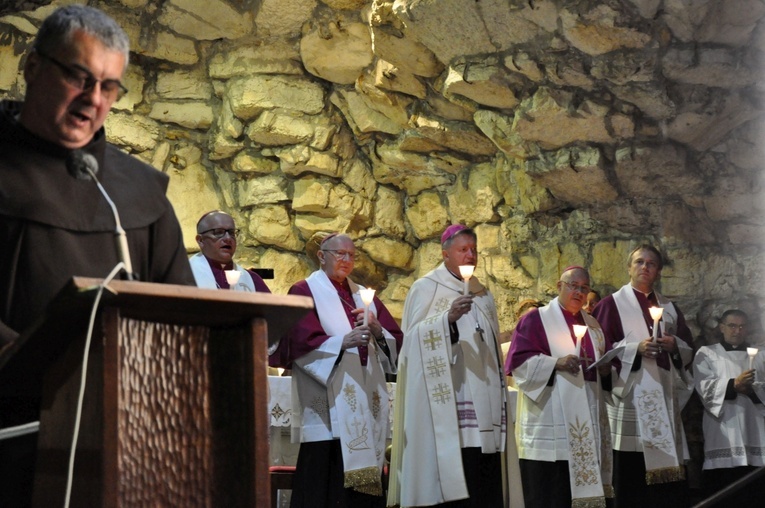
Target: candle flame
(232, 277)
(367, 295)
(579, 331)
(466, 271)
(656, 312)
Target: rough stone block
(576, 176)
(427, 215)
(251, 95)
(337, 54)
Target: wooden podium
(175, 406)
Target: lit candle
(232, 277)
(367, 295)
(579, 331)
(656, 313)
(466, 271)
(752, 352)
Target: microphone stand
(121, 237)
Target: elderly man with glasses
(730, 380)
(651, 388)
(53, 224)
(339, 359)
(564, 442)
(216, 237)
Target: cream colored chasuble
(358, 394)
(581, 432)
(656, 409)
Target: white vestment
(566, 421)
(661, 394)
(338, 398)
(204, 277)
(734, 430)
(448, 396)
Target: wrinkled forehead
(339, 242)
(215, 221)
(576, 277)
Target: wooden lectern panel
(164, 429)
(175, 407)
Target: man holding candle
(564, 442)
(340, 397)
(734, 427)
(450, 424)
(651, 388)
(216, 237)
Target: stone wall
(564, 131)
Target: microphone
(83, 166)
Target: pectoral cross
(586, 358)
(478, 332)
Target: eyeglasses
(342, 254)
(80, 78)
(574, 287)
(219, 233)
(733, 326)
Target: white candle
(656, 313)
(232, 277)
(579, 331)
(752, 352)
(367, 295)
(466, 271)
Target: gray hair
(58, 28)
(467, 231)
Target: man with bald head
(564, 443)
(650, 390)
(340, 397)
(216, 237)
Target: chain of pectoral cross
(585, 355)
(478, 328)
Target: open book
(606, 358)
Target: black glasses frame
(83, 80)
(221, 232)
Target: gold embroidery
(366, 480)
(441, 305)
(361, 433)
(349, 394)
(376, 405)
(665, 475)
(589, 502)
(436, 367)
(583, 454)
(441, 393)
(433, 341)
